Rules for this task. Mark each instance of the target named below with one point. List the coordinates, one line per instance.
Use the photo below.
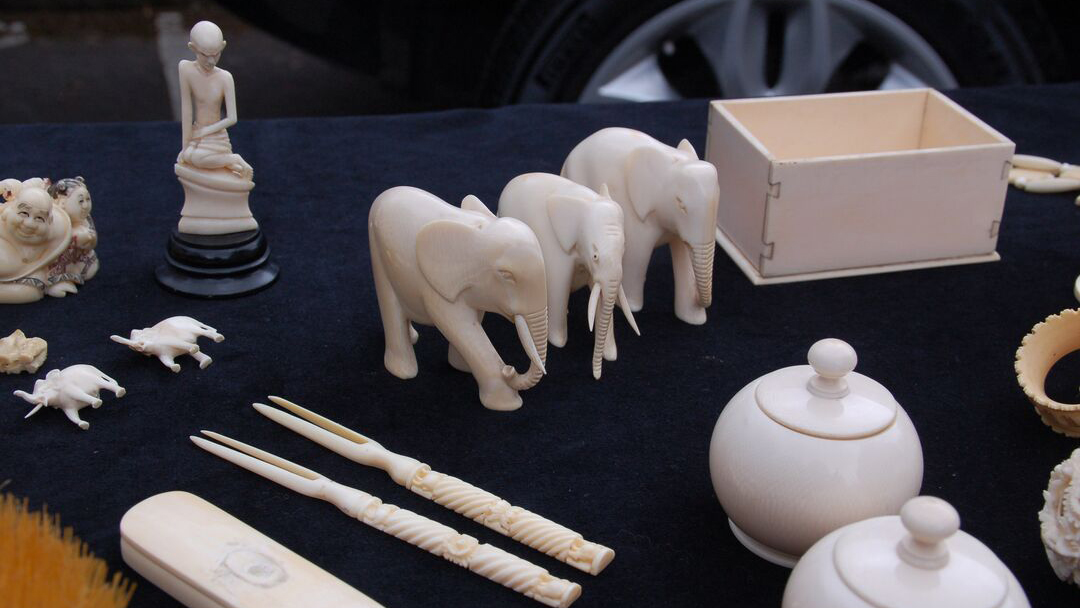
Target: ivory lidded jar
(807, 449)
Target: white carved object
(79, 262)
(205, 558)
(581, 234)
(70, 390)
(917, 558)
(478, 505)
(21, 354)
(172, 338)
(34, 233)
(1043, 175)
(1048, 342)
(806, 449)
(437, 264)
(669, 197)
(1060, 519)
(836, 185)
(216, 180)
(464, 550)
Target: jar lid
(919, 559)
(827, 398)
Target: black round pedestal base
(217, 265)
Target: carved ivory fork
(478, 505)
(464, 550)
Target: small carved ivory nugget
(669, 197)
(71, 389)
(21, 354)
(486, 560)
(437, 264)
(581, 235)
(478, 505)
(172, 338)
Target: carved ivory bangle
(522, 525)
(1048, 342)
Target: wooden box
(823, 186)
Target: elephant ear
(565, 215)
(449, 256)
(471, 203)
(686, 146)
(649, 168)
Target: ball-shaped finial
(832, 358)
(929, 520)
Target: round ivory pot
(919, 558)
(807, 449)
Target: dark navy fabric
(622, 460)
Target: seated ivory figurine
(581, 234)
(172, 338)
(71, 389)
(33, 234)
(216, 180)
(79, 262)
(437, 264)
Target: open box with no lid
(823, 186)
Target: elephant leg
(457, 361)
(78, 394)
(399, 356)
(203, 359)
(687, 306)
(167, 360)
(108, 383)
(73, 415)
(635, 266)
(463, 330)
(558, 285)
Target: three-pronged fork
(484, 559)
(479, 505)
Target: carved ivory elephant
(71, 389)
(669, 197)
(172, 338)
(437, 264)
(581, 235)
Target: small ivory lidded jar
(807, 449)
(919, 558)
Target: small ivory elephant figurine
(71, 389)
(581, 235)
(441, 265)
(669, 197)
(172, 338)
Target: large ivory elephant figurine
(669, 197)
(437, 264)
(581, 235)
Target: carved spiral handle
(523, 526)
(488, 561)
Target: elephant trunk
(703, 255)
(532, 331)
(603, 326)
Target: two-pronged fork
(484, 559)
(479, 505)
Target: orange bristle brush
(44, 565)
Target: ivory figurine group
(621, 195)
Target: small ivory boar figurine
(172, 338)
(71, 389)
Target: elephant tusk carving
(624, 304)
(594, 297)
(526, 340)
